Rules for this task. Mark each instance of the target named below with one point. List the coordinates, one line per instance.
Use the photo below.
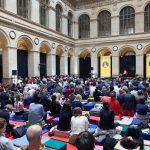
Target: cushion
(94, 120)
(146, 134)
(136, 122)
(49, 119)
(58, 145)
(124, 129)
(88, 107)
(55, 121)
(23, 141)
(95, 112)
(61, 133)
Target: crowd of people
(62, 97)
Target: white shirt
(5, 144)
(79, 124)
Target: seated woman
(5, 144)
(36, 111)
(18, 106)
(141, 111)
(77, 102)
(79, 124)
(106, 123)
(65, 118)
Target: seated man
(33, 134)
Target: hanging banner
(105, 66)
(148, 65)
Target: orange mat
(57, 138)
(71, 147)
(17, 123)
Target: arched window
(23, 8)
(127, 20)
(43, 4)
(70, 24)
(84, 26)
(104, 23)
(147, 18)
(1, 3)
(58, 18)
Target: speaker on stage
(14, 72)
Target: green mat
(54, 144)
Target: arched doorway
(127, 62)
(59, 52)
(85, 64)
(104, 55)
(147, 62)
(3, 43)
(23, 46)
(44, 49)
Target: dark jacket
(129, 102)
(64, 121)
(55, 108)
(106, 119)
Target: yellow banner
(105, 66)
(148, 65)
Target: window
(44, 12)
(147, 18)
(84, 26)
(1, 3)
(104, 23)
(23, 8)
(70, 24)
(127, 20)
(58, 18)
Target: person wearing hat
(114, 104)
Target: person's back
(106, 119)
(55, 106)
(36, 112)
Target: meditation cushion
(59, 133)
(95, 112)
(146, 134)
(88, 107)
(55, 121)
(23, 141)
(94, 120)
(49, 119)
(54, 144)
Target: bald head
(34, 133)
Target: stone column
(9, 56)
(33, 63)
(52, 18)
(115, 25)
(115, 66)
(63, 65)
(139, 22)
(11, 5)
(93, 28)
(140, 65)
(74, 63)
(76, 30)
(64, 25)
(51, 64)
(35, 12)
(94, 64)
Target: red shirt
(115, 106)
